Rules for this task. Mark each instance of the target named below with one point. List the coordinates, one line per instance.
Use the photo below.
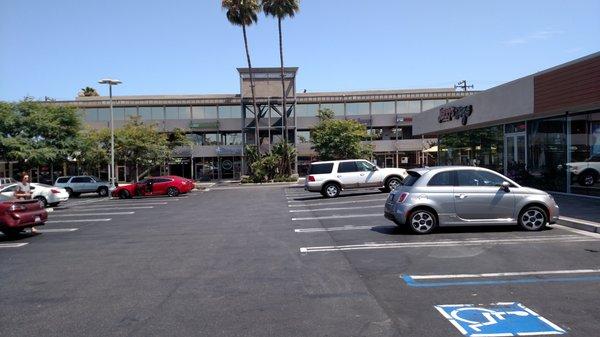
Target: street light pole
(111, 173)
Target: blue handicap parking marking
(497, 319)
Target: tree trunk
(288, 164)
(256, 132)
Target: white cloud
(535, 36)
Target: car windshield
(5, 198)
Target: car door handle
(362, 174)
(339, 175)
(460, 196)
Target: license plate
(37, 219)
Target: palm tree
(88, 91)
(244, 13)
(281, 9)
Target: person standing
(23, 191)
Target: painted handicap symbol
(498, 319)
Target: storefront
(542, 130)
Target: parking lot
(279, 261)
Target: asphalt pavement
(278, 261)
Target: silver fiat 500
(464, 196)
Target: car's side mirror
(32, 187)
(505, 186)
(374, 168)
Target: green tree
(281, 9)
(245, 13)
(88, 92)
(339, 139)
(35, 133)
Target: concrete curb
(583, 225)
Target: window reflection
(204, 112)
(357, 109)
(306, 110)
(383, 108)
(409, 107)
(479, 147)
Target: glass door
(515, 155)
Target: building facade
(220, 125)
(541, 130)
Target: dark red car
(162, 185)
(16, 215)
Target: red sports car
(162, 185)
(16, 215)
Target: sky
(55, 48)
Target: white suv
(587, 172)
(331, 177)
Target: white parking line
(132, 204)
(92, 214)
(333, 209)
(338, 202)
(80, 220)
(339, 217)
(522, 273)
(13, 245)
(81, 209)
(57, 230)
(331, 229)
(449, 243)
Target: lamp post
(111, 173)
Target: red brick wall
(574, 85)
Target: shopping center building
(542, 130)
(220, 125)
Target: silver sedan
(467, 196)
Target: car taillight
(17, 208)
(402, 197)
(311, 178)
(54, 191)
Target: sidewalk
(579, 212)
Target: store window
(547, 154)
(337, 108)
(409, 107)
(231, 138)
(383, 108)
(479, 147)
(432, 103)
(204, 112)
(210, 139)
(145, 113)
(303, 136)
(353, 109)
(91, 115)
(375, 134)
(584, 164)
(177, 112)
(307, 110)
(103, 114)
(230, 111)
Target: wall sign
(455, 112)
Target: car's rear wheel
(533, 218)
(103, 191)
(331, 190)
(422, 221)
(587, 178)
(124, 194)
(392, 183)
(42, 200)
(172, 191)
(54, 204)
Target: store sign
(449, 113)
(404, 119)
